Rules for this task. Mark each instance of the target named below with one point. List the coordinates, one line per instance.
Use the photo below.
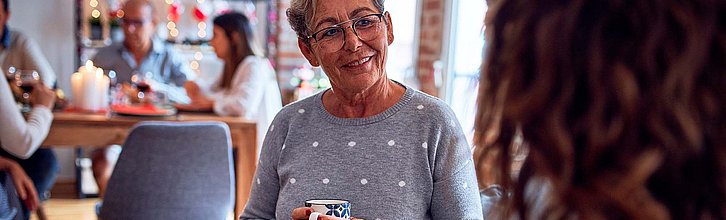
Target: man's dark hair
(5, 5)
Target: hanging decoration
(200, 16)
(172, 18)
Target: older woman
(393, 152)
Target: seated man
(138, 54)
(20, 52)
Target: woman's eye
(363, 23)
(331, 32)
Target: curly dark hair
(619, 102)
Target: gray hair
(301, 13)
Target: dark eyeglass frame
(133, 22)
(354, 21)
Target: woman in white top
(247, 86)
(21, 138)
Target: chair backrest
(172, 170)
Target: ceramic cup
(331, 207)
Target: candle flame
(99, 73)
(89, 64)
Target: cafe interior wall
(50, 24)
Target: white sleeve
(18, 137)
(246, 91)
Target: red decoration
(174, 12)
(199, 15)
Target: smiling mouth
(358, 62)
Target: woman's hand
(193, 90)
(42, 95)
(199, 102)
(23, 185)
(303, 213)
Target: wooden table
(99, 130)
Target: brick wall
(430, 46)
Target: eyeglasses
(332, 38)
(133, 22)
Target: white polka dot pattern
(301, 111)
(352, 143)
(315, 144)
(401, 184)
(326, 181)
(364, 181)
(391, 143)
(293, 180)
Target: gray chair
(172, 170)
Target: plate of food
(148, 110)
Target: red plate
(142, 110)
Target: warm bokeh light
(198, 55)
(93, 3)
(194, 65)
(174, 32)
(95, 13)
(170, 25)
(202, 25)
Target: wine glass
(26, 80)
(141, 82)
(10, 74)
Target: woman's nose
(351, 40)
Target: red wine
(27, 88)
(143, 87)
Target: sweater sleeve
(455, 188)
(18, 137)
(33, 58)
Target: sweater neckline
(403, 101)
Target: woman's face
(357, 64)
(220, 42)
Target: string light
(95, 13)
(171, 25)
(194, 65)
(198, 55)
(174, 32)
(93, 3)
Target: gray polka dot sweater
(410, 162)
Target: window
(400, 64)
(464, 57)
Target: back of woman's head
(619, 102)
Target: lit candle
(90, 88)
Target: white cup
(332, 207)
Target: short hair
(301, 13)
(144, 2)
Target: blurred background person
(247, 86)
(619, 104)
(20, 139)
(139, 53)
(18, 52)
